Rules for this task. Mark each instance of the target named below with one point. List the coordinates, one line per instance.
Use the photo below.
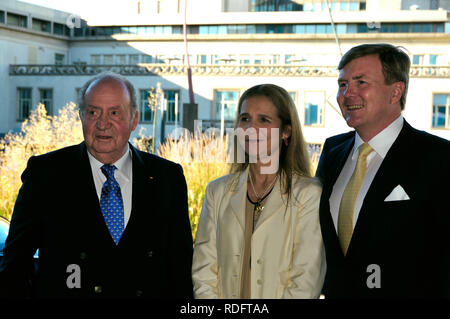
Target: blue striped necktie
(111, 203)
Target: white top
(381, 143)
(124, 176)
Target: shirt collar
(123, 164)
(382, 142)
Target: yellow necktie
(347, 207)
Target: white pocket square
(398, 193)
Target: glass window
(16, 20)
(341, 28)
(310, 28)
(121, 59)
(203, 29)
(146, 113)
(416, 27)
(427, 27)
(404, 27)
(352, 28)
(59, 59)
(60, 29)
(287, 58)
(314, 108)
(95, 59)
(441, 111)
(2, 16)
(433, 59)
(46, 98)
(417, 59)
(438, 27)
(173, 105)
(354, 6)
(108, 59)
(345, 6)
(226, 104)
(362, 27)
(134, 59)
(320, 28)
(299, 28)
(23, 103)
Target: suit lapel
(237, 200)
(273, 205)
(338, 156)
(144, 192)
(389, 175)
(95, 226)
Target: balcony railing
(151, 69)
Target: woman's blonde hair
(294, 159)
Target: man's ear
(397, 92)
(135, 120)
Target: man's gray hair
(107, 76)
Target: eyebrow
(355, 77)
(259, 114)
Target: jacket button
(150, 254)
(259, 282)
(139, 293)
(259, 261)
(98, 289)
(83, 255)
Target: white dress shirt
(123, 175)
(381, 143)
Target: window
(108, 59)
(23, 103)
(60, 29)
(134, 58)
(146, 113)
(41, 25)
(173, 105)
(226, 102)
(95, 59)
(314, 108)
(202, 59)
(59, 59)
(16, 20)
(121, 59)
(417, 59)
(433, 59)
(46, 98)
(2, 16)
(441, 111)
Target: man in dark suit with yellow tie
(108, 219)
(384, 212)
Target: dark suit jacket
(57, 211)
(409, 240)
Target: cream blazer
(288, 258)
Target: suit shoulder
(157, 161)
(340, 138)
(310, 185)
(57, 156)
(221, 182)
(430, 140)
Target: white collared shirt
(123, 175)
(381, 143)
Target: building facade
(46, 56)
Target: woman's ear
(287, 130)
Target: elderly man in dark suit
(384, 212)
(108, 219)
